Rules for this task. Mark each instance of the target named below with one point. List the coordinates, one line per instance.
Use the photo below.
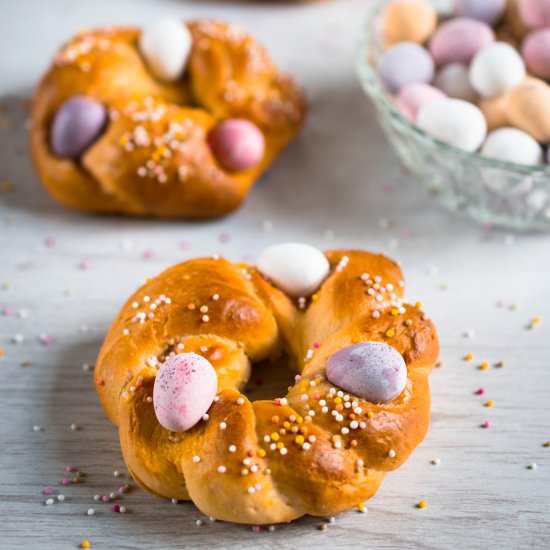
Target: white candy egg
(512, 145)
(454, 121)
(297, 268)
(454, 80)
(166, 45)
(496, 68)
(444, 8)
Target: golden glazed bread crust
(233, 316)
(153, 158)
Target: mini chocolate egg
(238, 144)
(488, 11)
(512, 145)
(458, 40)
(454, 121)
(185, 387)
(454, 80)
(166, 46)
(404, 64)
(513, 21)
(374, 371)
(76, 125)
(536, 53)
(535, 13)
(414, 96)
(495, 110)
(528, 108)
(496, 68)
(296, 268)
(408, 21)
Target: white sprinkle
(37, 428)
(198, 522)
(435, 461)
(240, 401)
(116, 473)
(391, 453)
(251, 490)
(196, 459)
(222, 469)
(283, 401)
(223, 425)
(49, 501)
(174, 501)
(283, 451)
(60, 498)
(532, 466)
(205, 416)
(91, 511)
(232, 448)
(271, 528)
(354, 424)
(122, 509)
(74, 427)
(18, 339)
(306, 446)
(267, 438)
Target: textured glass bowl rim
(369, 79)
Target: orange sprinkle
(275, 419)
(469, 357)
(484, 366)
(421, 504)
(360, 506)
(489, 403)
(275, 436)
(418, 305)
(2, 352)
(260, 453)
(370, 414)
(191, 307)
(390, 333)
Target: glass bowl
(491, 191)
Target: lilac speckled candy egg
(536, 53)
(413, 97)
(374, 371)
(238, 144)
(76, 125)
(404, 64)
(458, 40)
(184, 389)
(488, 11)
(454, 80)
(535, 13)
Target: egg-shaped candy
(536, 53)
(185, 387)
(296, 268)
(413, 97)
(238, 144)
(495, 111)
(535, 13)
(404, 64)
(454, 121)
(444, 8)
(512, 145)
(496, 68)
(76, 125)
(528, 108)
(408, 21)
(374, 371)
(513, 21)
(488, 11)
(166, 45)
(458, 40)
(454, 80)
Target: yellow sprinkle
(314, 297)
(299, 439)
(85, 544)
(469, 357)
(260, 453)
(484, 366)
(370, 414)
(360, 506)
(299, 420)
(489, 403)
(535, 321)
(2, 352)
(421, 504)
(500, 364)
(286, 424)
(275, 436)
(546, 444)
(395, 312)
(390, 333)
(280, 445)
(337, 400)
(418, 305)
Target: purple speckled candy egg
(488, 11)
(535, 13)
(184, 389)
(76, 125)
(238, 144)
(374, 371)
(403, 64)
(536, 53)
(413, 97)
(458, 40)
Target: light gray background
(338, 186)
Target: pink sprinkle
(255, 528)
(148, 254)
(185, 245)
(225, 238)
(49, 242)
(85, 264)
(122, 489)
(500, 303)
(297, 378)
(486, 424)
(106, 498)
(65, 481)
(407, 234)
(116, 508)
(6, 311)
(47, 491)
(69, 469)
(46, 340)
(480, 391)
(316, 345)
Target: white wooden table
(338, 186)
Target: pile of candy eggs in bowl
(462, 90)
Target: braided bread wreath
(174, 359)
(172, 121)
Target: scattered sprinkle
(421, 504)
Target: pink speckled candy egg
(536, 53)
(374, 371)
(413, 97)
(184, 389)
(458, 40)
(535, 13)
(238, 144)
(76, 125)
(488, 11)
(404, 64)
